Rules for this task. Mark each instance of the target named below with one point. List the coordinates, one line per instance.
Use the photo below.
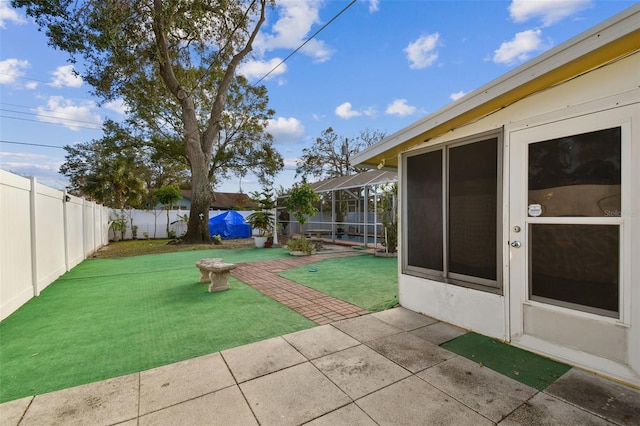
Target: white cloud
(44, 167)
(290, 30)
(258, 69)
(370, 112)
(548, 11)
(346, 111)
(374, 5)
(457, 95)
(422, 52)
(286, 130)
(520, 48)
(18, 161)
(11, 70)
(400, 107)
(7, 14)
(290, 163)
(65, 77)
(71, 116)
(117, 106)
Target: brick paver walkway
(318, 307)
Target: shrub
(301, 244)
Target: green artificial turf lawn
(110, 317)
(366, 281)
(525, 367)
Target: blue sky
(381, 65)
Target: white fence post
(65, 220)
(34, 235)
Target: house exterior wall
(614, 88)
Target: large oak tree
(159, 51)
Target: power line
(31, 144)
(67, 124)
(58, 116)
(21, 77)
(305, 42)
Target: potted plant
(262, 220)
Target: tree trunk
(199, 146)
(202, 195)
(168, 222)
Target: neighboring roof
(226, 200)
(613, 39)
(359, 180)
(230, 200)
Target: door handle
(515, 244)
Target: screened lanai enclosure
(350, 210)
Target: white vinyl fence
(43, 234)
(153, 223)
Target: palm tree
(116, 183)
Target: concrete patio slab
(486, 391)
(107, 402)
(320, 341)
(11, 412)
(413, 401)
(546, 410)
(351, 415)
(411, 352)
(404, 319)
(360, 370)
(260, 358)
(224, 407)
(293, 396)
(439, 332)
(605, 398)
(175, 383)
(317, 377)
(366, 328)
(132, 422)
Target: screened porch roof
(372, 177)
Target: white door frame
(521, 309)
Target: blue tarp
(229, 225)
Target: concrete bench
(216, 272)
(204, 265)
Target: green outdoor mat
(525, 367)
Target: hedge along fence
(44, 233)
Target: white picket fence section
(44, 233)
